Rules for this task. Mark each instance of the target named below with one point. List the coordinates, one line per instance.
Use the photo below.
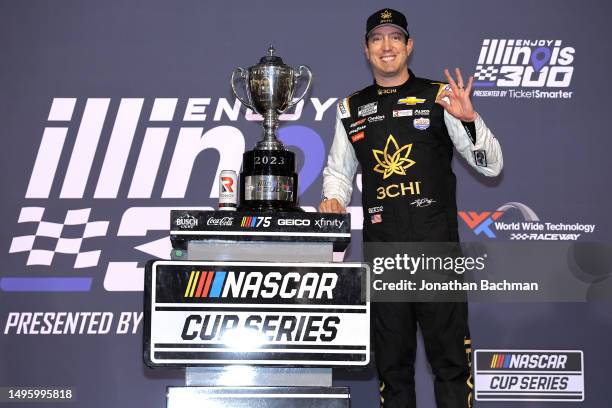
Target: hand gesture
(331, 206)
(456, 101)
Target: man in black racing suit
(402, 130)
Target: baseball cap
(387, 16)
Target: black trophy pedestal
(268, 181)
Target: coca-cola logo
(187, 221)
(222, 222)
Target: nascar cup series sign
(298, 314)
(529, 375)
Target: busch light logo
(187, 221)
(524, 68)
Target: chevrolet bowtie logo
(386, 14)
(393, 159)
(410, 100)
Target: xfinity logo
(320, 223)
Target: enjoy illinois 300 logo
(107, 172)
(524, 68)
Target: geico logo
(230, 327)
(310, 285)
(555, 361)
(297, 222)
(396, 190)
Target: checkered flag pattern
(54, 230)
(485, 73)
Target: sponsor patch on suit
(421, 123)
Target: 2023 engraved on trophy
(268, 180)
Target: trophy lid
(271, 59)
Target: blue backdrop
(114, 112)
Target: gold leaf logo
(386, 14)
(393, 159)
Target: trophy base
(268, 181)
(269, 206)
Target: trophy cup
(268, 180)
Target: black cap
(387, 17)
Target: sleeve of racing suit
(341, 167)
(484, 154)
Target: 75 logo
(255, 222)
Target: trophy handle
(242, 74)
(301, 70)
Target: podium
(254, 309)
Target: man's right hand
(331, 206)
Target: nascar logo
(500, 361)
(205, 284)
(542, 361)
(222, 284)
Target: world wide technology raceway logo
(516, 221)
(108, 171)
(524, 69)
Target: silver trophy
(268, 180)
(270, 86)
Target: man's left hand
(458, 103)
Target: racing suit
(404, 142)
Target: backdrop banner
(113, 113)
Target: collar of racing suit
(386, 90)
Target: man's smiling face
(387, 50)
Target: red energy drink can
(228, 190)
